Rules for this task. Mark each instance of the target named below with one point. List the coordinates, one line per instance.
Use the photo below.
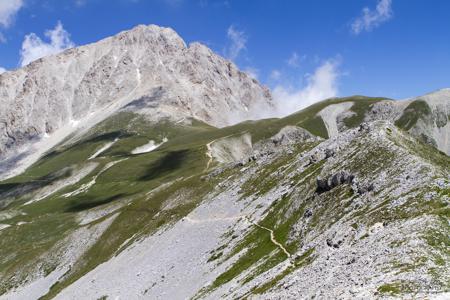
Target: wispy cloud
(2, 70)
(371, 19)
(294, 60)
(322, 84)
(34, 48)
(238, 42)
(8, 10)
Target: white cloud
(253, 72)
(322, 84)
(275, 75)
(371, 19)
(8, 10)
(238, 41)
(34, 48)
(2, 38)
(2, 70)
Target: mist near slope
(287, 98)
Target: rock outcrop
(342, 177)
(292, 135)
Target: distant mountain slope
(147, 69)
(426, 117)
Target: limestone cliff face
(148, 63)
(150, 66)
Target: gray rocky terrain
(127, 174)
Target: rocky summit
(141, 168)
(148, 70)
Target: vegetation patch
(396, 288)
(360, 108)
(416, 110)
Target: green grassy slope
(179, 163)
(416, 110)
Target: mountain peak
(151, 34)
(70, 92)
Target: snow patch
(138, 75)
(74, 123)
(60, 184)
(85, 187)
(4, 226)
(103, 149)
(150, 146)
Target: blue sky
(301, 49)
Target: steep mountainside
(147, 69)
(136, 189)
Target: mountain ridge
(86, 84)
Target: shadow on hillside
(106, 137)
(169, 163)
(16, 190)
(86, 203)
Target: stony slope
(262, 209)
(148, 69)
(426, 117)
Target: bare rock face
(341, 177)
(291, 135)
(61, 94)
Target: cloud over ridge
(320, 85)
(33, 47)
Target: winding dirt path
(272, 237)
